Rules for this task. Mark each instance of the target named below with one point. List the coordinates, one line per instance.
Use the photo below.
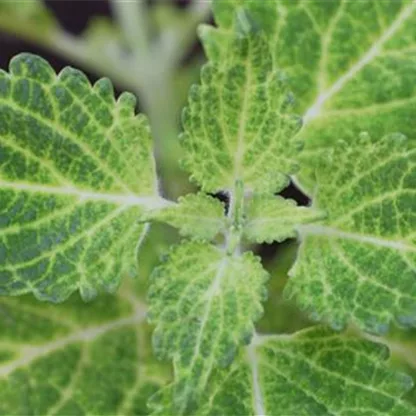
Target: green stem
(159, 103)
(73, 48)
(236, 219)
(176, 45)
(155, 84)
(132, 17)
(237, 204)
(156, 91)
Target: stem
(73, 48)
(158, 62)
(236, 219)
(176, 44)
(156, 91)
(255, 376)
(133, 21)
(237, 204)
(163, 112)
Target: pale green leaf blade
(308, 42)
(374, 90)
(238, 125)
(359, 265)
(274, 218)
(203, 303)
(77, 358)
(290, 29)
(196, 215)
(312, 372)
(233, 18)
(350, 64)
(76, 169)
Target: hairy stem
(73, 48)
(133, 20)
(235, 219)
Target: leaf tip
(32, 66)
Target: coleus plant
(311, 91)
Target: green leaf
(76, 169)
(236, 18)
(350, 64)
(273, 218)
(203, 303)
(76, 358)
(238, 125)
(27, 10)
(196, 215)
(30, 18)
(359, 265)
(312, 372)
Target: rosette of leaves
(78, 186)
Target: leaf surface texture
(271, 218)
(76, 170)
(314, 371)
(238, 125)
(77, 358)
(350, 64)
(196, 215)
(359, 264)
(203, 303)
